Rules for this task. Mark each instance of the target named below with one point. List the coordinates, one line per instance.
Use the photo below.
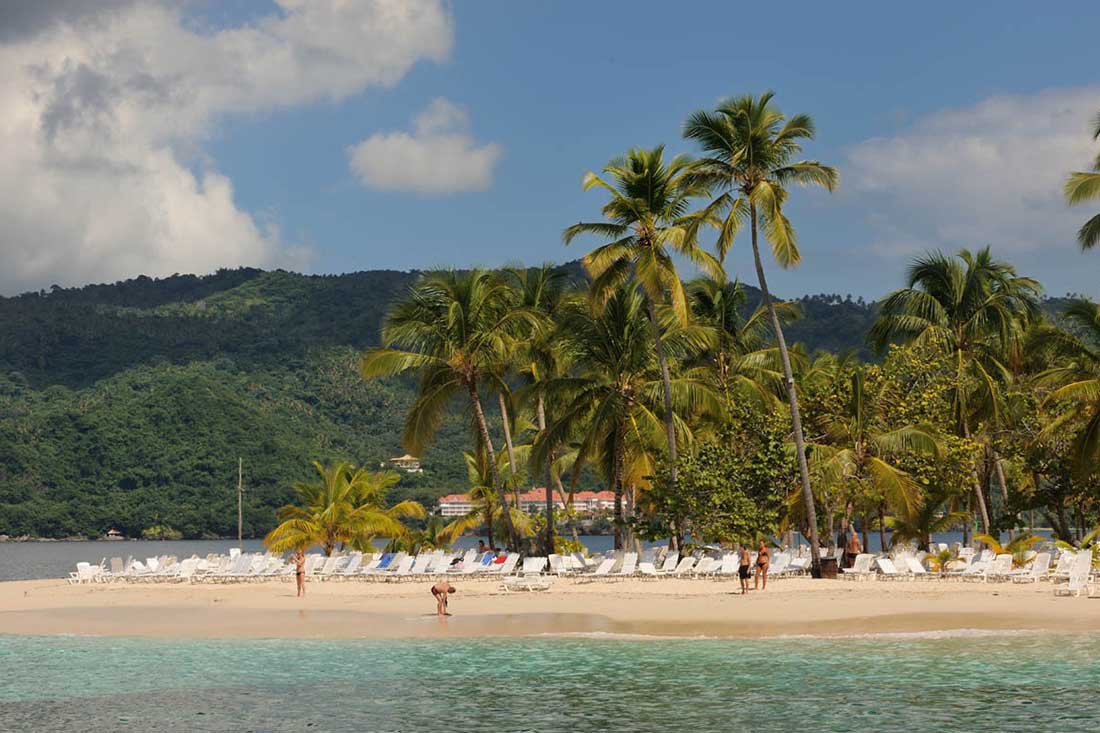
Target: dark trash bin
(828, 568)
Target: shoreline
(791, 607)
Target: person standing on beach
(442, 591)
(743, 569)
(852, 548)
(763, 560)
(299, 560)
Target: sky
(155, 137)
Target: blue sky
(952, 124)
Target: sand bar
(338, 610)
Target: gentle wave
(930, 634)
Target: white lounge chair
(861, 568)
(1078, 576)
(889, 571)
(684, 567)
(916, 569)
(1034, 572)
(630, 564)
(602, 571)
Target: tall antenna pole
(240, 494)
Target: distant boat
(114, 534)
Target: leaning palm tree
(1074, 380)
(346, 507)
(972, 310)
(648, 219)
(751, 154)
(1085, 186)
(455, 329)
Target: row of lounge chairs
(244, 567)
(1072, 568)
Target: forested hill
(128, 405)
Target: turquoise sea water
(893, 683)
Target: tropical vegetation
(716, 412)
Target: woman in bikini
(763, 560)
(299, 560)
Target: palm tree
(344, 508)
(736, 356)
(1018, 546)
(932, 516)
(1075, 379)
(544, 292)
(1085, 186)
(487, 509)
(752, 151)
(455, 329)
(609, 403)
(648, 218)
(858, 449)
(972, 310)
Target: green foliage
(728, 490)
(346, 507)
(161, 532)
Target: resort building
(454, 505)
(406, 463)
(534, 502)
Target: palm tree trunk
(978, 493)
(666, 386)
(617, 484)
(792, 397)
(882, 527)
(540, 416)
(507, 426)
(487, 442)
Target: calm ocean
(918, 683)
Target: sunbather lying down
(442, 591)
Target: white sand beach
(335, 610)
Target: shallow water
(913, 683)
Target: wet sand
(335, 610)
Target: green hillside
(127, 405)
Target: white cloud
(438, 157)
(103, 118)
(991, 173)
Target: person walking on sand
(743, 569)
(763, 560)
(441, 591)
(299, 560)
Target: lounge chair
(861, 568)
(602, 572)
(684, 567)
(557, 565)
(630, 564)
(525, 582)
(916, 569)
(669, 565)
(533, 566)
(1034, 572)
(889, 571)
(1078, 576)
